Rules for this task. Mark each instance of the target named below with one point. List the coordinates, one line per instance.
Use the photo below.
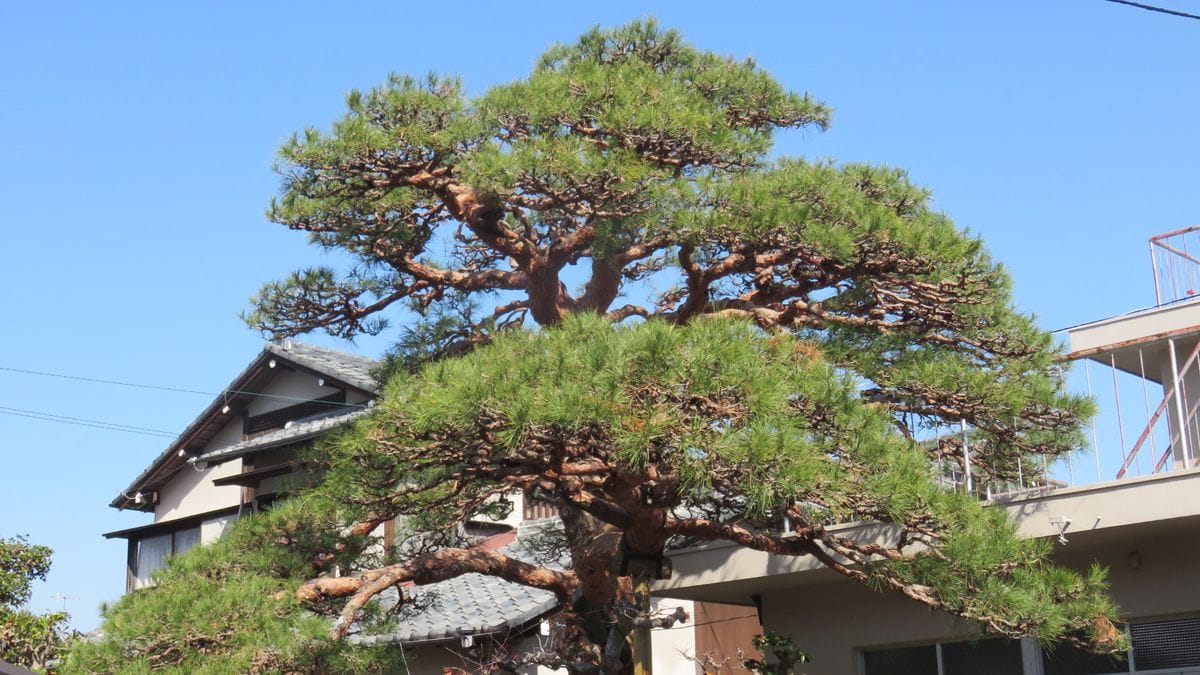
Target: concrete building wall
(1135, 326)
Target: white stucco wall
(211, 530)
(191, 492)
(673, 649)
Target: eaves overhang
(237, 395)
(152, 529)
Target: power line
(96, 424)
(1152, 8)
(68, 418)
(109, 426)
(101, 381)
(156, 387)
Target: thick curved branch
(463, 203)
(795, 543)
(428, 569)
(464, 281)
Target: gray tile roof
(472, 602)
(350, 368)
(294, 432)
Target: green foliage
(784, 650)
(21, 563)
(733, 421)
(33, 640)
(230, 606)
(27, 639)
(644, 142)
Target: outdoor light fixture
(271, 363)
(225, 409)
(182, 452)
(139, 498)
(320, 382)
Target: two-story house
(240, 454)
(234, 457)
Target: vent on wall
(1166, 644)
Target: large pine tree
(627, 307)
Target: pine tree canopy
(626, 306)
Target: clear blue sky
(138, 142)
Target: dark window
(982, 657)
(1068, 660)
(902, 661)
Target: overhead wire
(181, 390)
(109, 426)
(1153, 8)
(84, 422)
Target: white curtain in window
(152, 555)
(186, 539)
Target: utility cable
(1152, 8)
(101, 424)
(82, 422)
(180, 390)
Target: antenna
(63, 598)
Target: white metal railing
(1161, 420)
(1175, 259)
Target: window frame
(136, 553)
